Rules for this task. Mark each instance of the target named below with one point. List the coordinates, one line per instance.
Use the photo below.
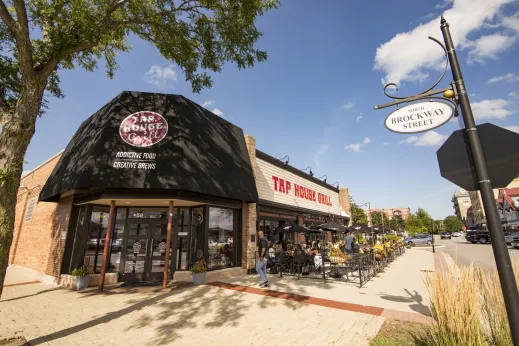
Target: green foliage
(452, 223)
(414, 225)
(200, 266)
(377, 217)
(84, 270)
(197, 35)
(396, 222)
(389, 237)
(358, 216)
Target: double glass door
(145, 250)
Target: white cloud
(408, 55)
(491, 109)
(218, 112)
(472, 95)
(160, 77)
(428, 139)
(323, 149)
(348, 105)
(355, 147)
(208, 103)
(385, 143)
(428, 16)
(512, 94)
(489, 46)
(359, 118)
(512, 22)
(514, 128)
(509, 77)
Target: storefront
(146, 166)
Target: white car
(515, 242)
(509, 236)
(457, 234)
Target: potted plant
(198, 271)
(83, 274)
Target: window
(221, 247)
(30, 208)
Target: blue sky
(313, 99)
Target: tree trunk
(15, 136)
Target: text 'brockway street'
(418, 116)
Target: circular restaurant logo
(143, 129)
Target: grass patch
(401, 333)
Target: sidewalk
(399, 290)
(202, 315)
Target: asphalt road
(465, 253)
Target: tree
(414, 225)
(377, 217)
(396, 223)
(452, 224)
(358, 216)
(427, 220)
(38, 38)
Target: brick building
(404, 212)
(145, 163)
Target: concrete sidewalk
(399, 288)
(202, 315)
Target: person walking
(261, 265)
(349, 242)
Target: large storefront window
(221, 247)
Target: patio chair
(299, 262)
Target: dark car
(482, 237)
(445, 235)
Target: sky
(313, 98)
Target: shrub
(199, 267)
(85, 269)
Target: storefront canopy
(154, 142)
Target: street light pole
(432, 232)
(502, 257)
(372, 240)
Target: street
(465, 253)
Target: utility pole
(432, 233)
(502, 257)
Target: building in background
(508, 205)
(477, 212)
(461, 204)
(390, 212)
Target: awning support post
(168, 245)
(108, 243)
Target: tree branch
(8, 20)
(23, 41)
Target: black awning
(333, 226)
(155, 141)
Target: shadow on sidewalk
(32, 295)
(415, 300)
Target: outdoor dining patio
(331, 260)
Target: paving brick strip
(23, 283)
(365, 309)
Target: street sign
(501, 150)
(419, 117)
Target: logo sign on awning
(419, 117)
(143, 129)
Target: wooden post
(168, 244)
(108, 243)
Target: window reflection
(221, 249)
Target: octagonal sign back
(501, 150)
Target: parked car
(445, 235)
(482, 237)
(515, 241)
(509, 235)
(457, 234)
(419, 239)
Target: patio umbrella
(333, 226)
(291, 227)
(359, 228)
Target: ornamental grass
(468, 308)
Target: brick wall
(344, 201)
(36, 242)
(249, 214)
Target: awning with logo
(155, 142)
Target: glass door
(182, 222)
(135, 251)
(157, 253)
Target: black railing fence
(358, 269)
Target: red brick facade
(37, 242)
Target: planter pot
(199, 278)
(82, 282)
(378, 257)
